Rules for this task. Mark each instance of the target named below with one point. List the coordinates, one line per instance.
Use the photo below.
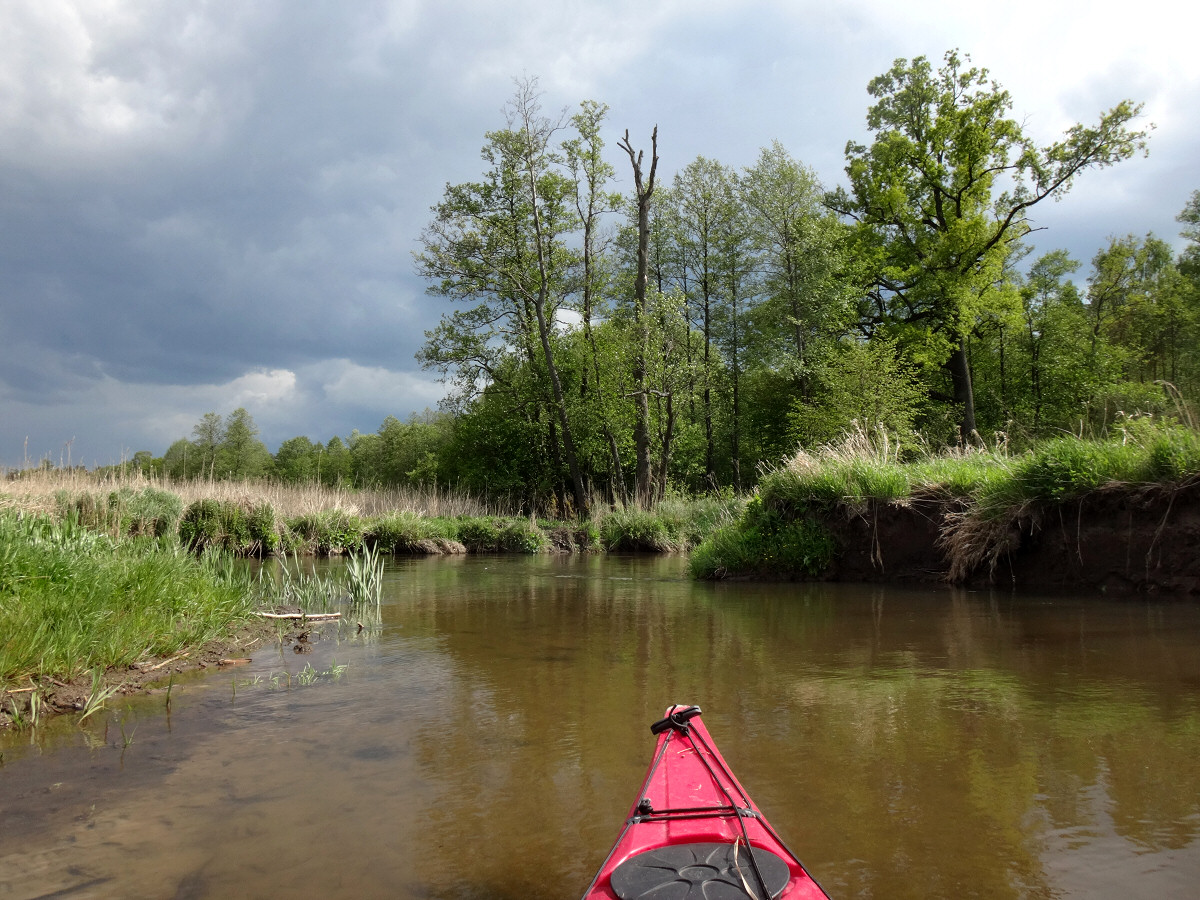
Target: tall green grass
(73, 600)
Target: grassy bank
(83, 615)
(790, 529)
(264, 518)
(72, 600)
(97, 576)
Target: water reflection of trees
(908, 745)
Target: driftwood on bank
(312, 617)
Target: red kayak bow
(694, 833)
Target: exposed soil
(71, 696)
(1118, 539)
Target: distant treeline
(686, 335)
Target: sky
(213, 204)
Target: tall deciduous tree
(702, 213)
(943, 193)
(502, 244)
(207, 437)
(242, 454)
(801, 252)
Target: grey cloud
(190, 192)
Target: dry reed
(35, 491)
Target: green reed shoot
(99, 694)
(364, 576)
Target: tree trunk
(641, 425)
(561, 406)
(664, 461)
(959, 365)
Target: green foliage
(364, 578)
(408, 533)
(125, 512)
(200, 526)
(263, 528)
(864, 385)
(1174, 455)
(942, 197)
(831, 482)
(241, 529)
(493, 535)
(330, 532)
(72, 600)
(630, 529)
(766, 541)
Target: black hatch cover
(699, 872)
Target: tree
(241, 454)
(1138, 303)
(502, 244)
(643, 183)
(942, 196)
(801, 252)
(867, 386)
(1189, 261)
(703, 211)
(296, 460)
(589, 175)
(334, 466)
(207, 436)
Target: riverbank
(1116, 515)
(84, 617)
(256, 519)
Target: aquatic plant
(364, 577)
(100, 693)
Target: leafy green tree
(942, 196)
(176, 462)
(806, 303)
(241, 454)
(1189, 262)
(296, 461)
(503, 245)
(207, 437)
(704, 218)
(590, 175)
(144, 461)
(1139, 303)
(334, 465)
(866, 385)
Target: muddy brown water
(489, 733)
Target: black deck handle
(677, 719)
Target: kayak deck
(693, 831)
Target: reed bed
(35, 490)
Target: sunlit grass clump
(73, 600)
(991, 489)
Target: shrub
(240, 529)
(409, 532)
(200, 526)
(263, 528)
(479, 534)
(490, 535)
(766, 541)
(632, 529)
(330, 532)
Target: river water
(487, 736)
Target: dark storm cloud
(207, 205)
